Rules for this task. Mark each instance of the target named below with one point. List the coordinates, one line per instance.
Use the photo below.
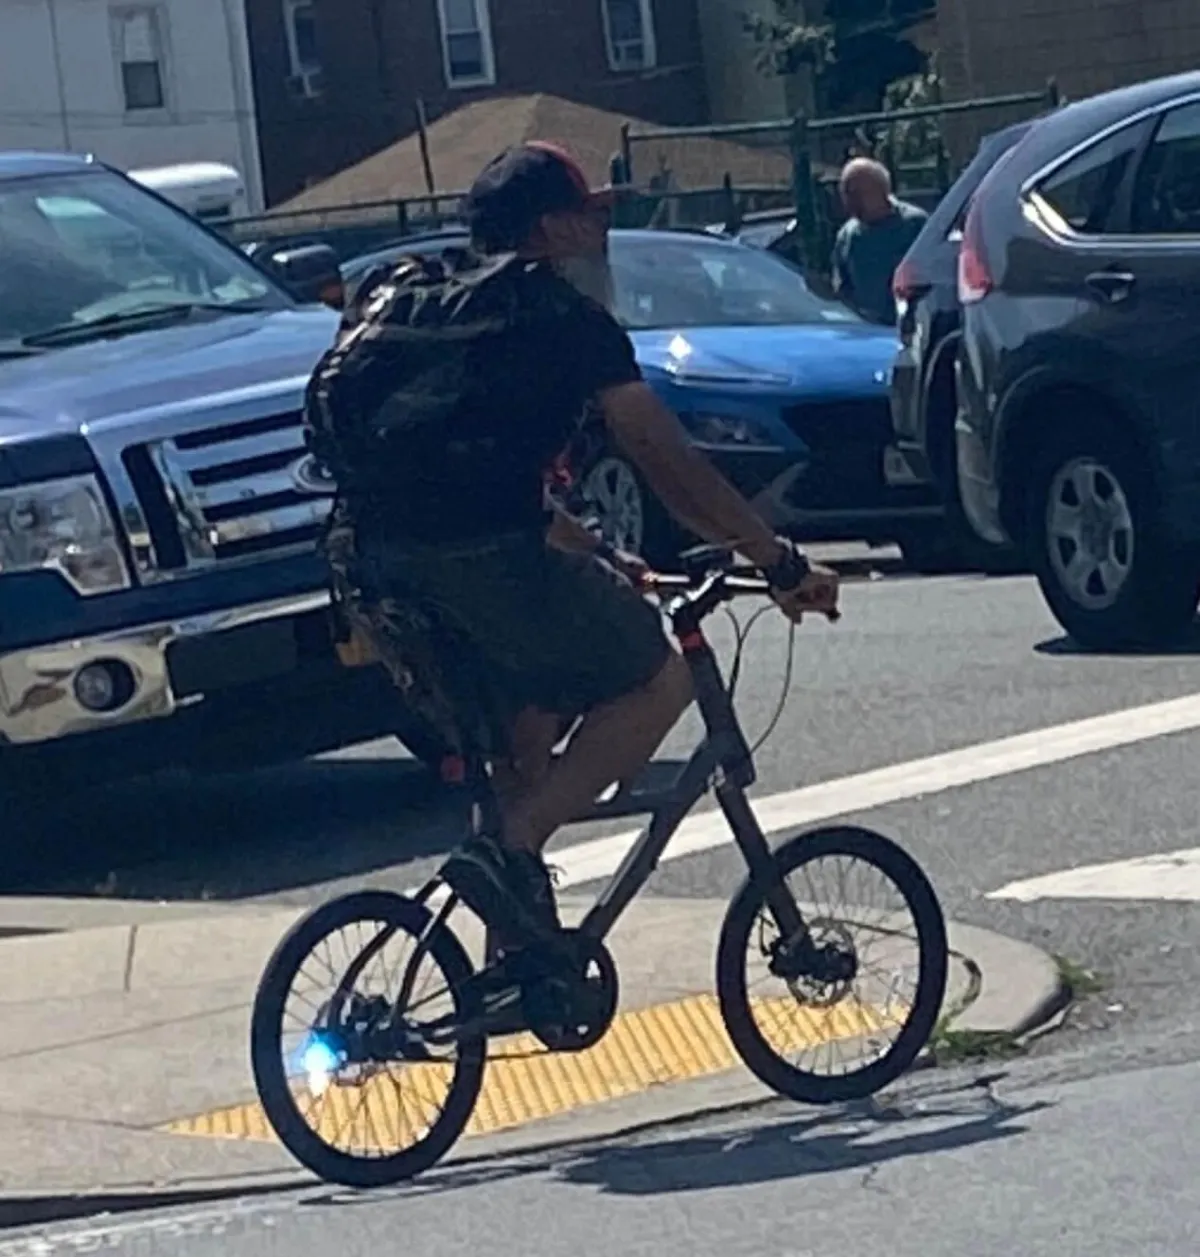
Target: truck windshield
(90, 248)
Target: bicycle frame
(724, 762)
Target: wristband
(790, 571)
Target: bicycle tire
(933, 965)
(305, 1144)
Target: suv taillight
(974, 277)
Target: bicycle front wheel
(370, 1079)
(877, 996)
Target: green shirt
(865, 256)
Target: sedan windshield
(688, 281)
(677, 280)
(92, 248)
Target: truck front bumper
(152, 671)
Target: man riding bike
(500, 367)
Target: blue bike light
(318, 1063)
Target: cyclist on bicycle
(502, 367)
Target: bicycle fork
(760, 860)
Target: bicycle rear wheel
(359, 1068)
(820, 970)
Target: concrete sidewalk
(116, 1031)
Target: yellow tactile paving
(650, 1047)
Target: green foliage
(852, 46)
(915, 140)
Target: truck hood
(83, 387)
(808, 360)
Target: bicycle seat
(699, 561)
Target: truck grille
(233, 493)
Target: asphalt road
(1097, 1167)
(1083, 1146)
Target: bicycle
(568, 996)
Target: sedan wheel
(612, 491)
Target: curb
(1032, 994)
(18, 1214)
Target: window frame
(307, 80)
(1117, 208)
(483, 27)
(1136, 184)
(296, 66)
(1149, 120)
(649, 39)
(119, 17)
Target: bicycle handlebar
(705, 593)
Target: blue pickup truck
(160, 599)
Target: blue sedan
(786, 391)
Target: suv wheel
(1096, 543)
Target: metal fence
(351, 230)
(924, 147)
(348, 229)
(677, 177)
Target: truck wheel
(1096, 542)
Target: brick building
(993, 46)
(337, 80)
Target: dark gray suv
(1078, 429)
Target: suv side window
(1083, 193)
(1166, 197)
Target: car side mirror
(312, 273)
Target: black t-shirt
(508, 402)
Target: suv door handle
(1112, 286)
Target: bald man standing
(877, 233)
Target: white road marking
(1172, 876)
(985, 761)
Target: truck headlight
(63, 526)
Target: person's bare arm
(688, 485)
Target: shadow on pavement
(1188, 645)
(241, 835)
(752, 1149)
(789, 1150)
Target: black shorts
(561, 632)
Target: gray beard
(592, 276)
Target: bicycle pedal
(506, 1015)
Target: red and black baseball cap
(516, 189)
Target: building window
(140, 56)
(304, 58)
(629, 33)
(467, 43)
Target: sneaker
(510, 890)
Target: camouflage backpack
(377, 406)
